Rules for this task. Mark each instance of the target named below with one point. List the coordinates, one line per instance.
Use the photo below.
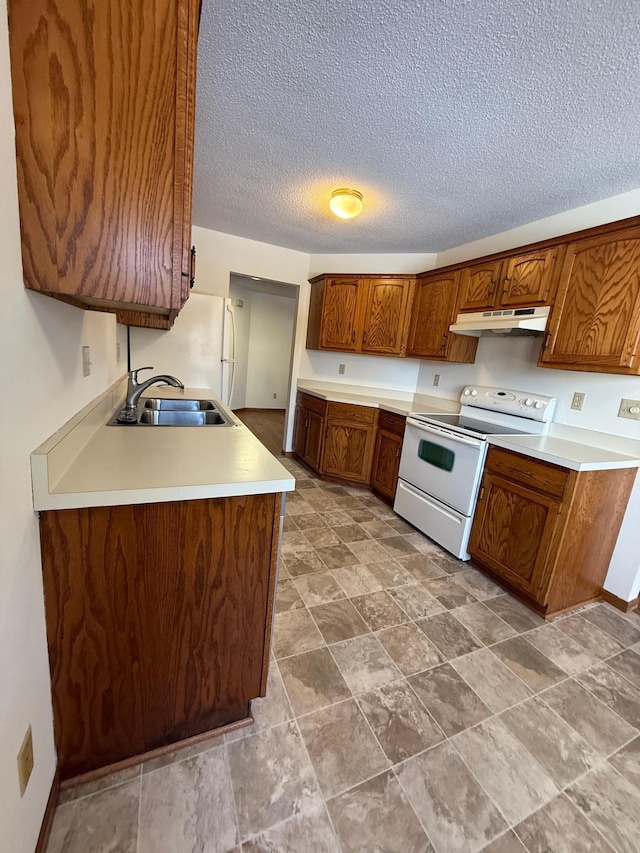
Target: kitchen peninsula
(160, 552)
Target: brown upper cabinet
(434, 310)
(104, 99)
(513, 282)
(595, 320)
(355, 314)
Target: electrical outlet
(239, 303)
(578, 401)
(436, 378)
(275, 396)
(629, 409)
(341, 368)
(86, 361)
(25, 761)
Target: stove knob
(528, 402)
(539, 404)
(474, 392)
(466, 392)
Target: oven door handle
(443, 433)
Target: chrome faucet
(135, 389)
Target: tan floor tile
(448, 635)
(612, 804)
(560, 827)
(627, 762)
(409, 648)
(508, 773)
(534, 668)
(416, 601)
(389, 573)
(614, 623)
(309, 831)
(617, 692)
(597, 724)
(459, 816)
(484, 623)
(357, 580)
(104, 821)
(295, 632)
(270, 710)
(85, 789)
(507, 843)
(400, 721)
(294, 543)
(272, 778)
(558, 747)
(322, 537)
(449, 699)
(336, 517)
(627, 663)
(318, 588)
(368, 551)
(514, 613)
(376, 815)
(447, 562)
(338, 620)
(379, 610)
(361, 515)
(312, 521)
(351, 533)
(304, 564)
(561, 649)
(421, 567)
(449, 592)
(313, 681)
(594, 639)
(494, 683)
(479, 585)
(398, 546)
(287, 597)
(378, 529)
(337, 556)
(342, 747)
(364, 663)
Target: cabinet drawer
(313, 404)
(542, 476)
(391, 422)
(351, 412)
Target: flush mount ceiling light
(346, 203)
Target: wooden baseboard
(213, 734)
(47, 820)
(620, 603)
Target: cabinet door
(300, 431)
(595, 320)
(313, 440)
(432, 314)
(341, 310)
(527, 279)
(348, 450)
(478, 285)
(386, 463)
(385, 316)
(512, 531)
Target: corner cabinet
(595, 321)
(308, 430)
(547, 533)
(104, 99)
(435, 307)
(355, 314)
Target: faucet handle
(133, 374)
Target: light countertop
(569, 454)
(88, 463)
(378, 398)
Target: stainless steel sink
(157, 411)
(166, 405)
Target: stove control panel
(521, 403)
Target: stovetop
(465, 424)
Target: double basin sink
(157, 411)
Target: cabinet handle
(353, 337)
(492, 287)
(547, 339)
(481, 496)
(192, 271)
(364, 337)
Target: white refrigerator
(199, 349)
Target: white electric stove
(443, 457)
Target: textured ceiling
(455, 118)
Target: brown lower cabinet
(308, 430)
(349, 439)
(386, 456)
(545, 532)
(158, 621)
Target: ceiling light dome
(346, 203)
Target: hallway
(267, 425)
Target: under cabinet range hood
(508, 322)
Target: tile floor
(412, 706)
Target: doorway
(263, 319)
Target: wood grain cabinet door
(348, 450)
(386, 463)
(300, 431)
(313, 440)
(595, 320)
(527, 279)
(478, 286)
(341, 314)
(512, 531)
(385, 316)
(433, 307)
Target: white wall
(41, 386)
(242, 318)
(374, 263)
(269, 357)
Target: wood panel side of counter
(156, 621)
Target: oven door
(443, 464)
